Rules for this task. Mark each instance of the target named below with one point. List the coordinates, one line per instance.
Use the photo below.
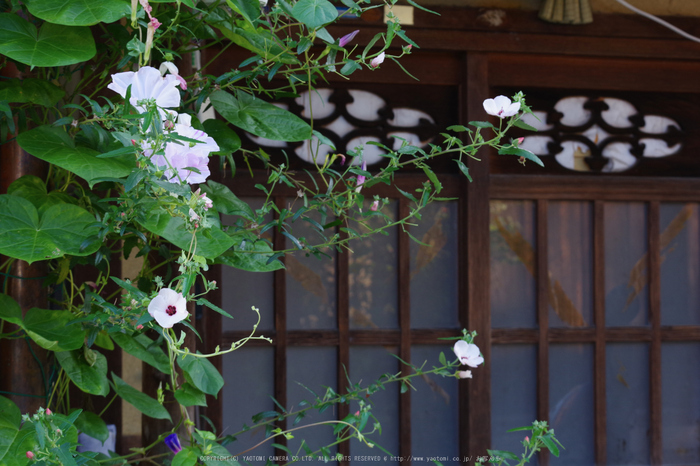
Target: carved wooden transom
(602, 134)
(351, 119)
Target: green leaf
(33, 189)
(189, 395)
(201, 373)
(314, 13)
(60, 229)
(551, 446)
(144, 403)
(51, 45)
(521, 153)
(219, 456)
(51, 331)
(464, 169)
(55, 146)
(225, 201)
(350, 67)
(142, 347)
(523, 125)
(10, 415)
(259, 41)
(259, 117)
(251, 255)
(481, 124)
(433, 179)
(36, 91)
(10, 310)
(89, 378)
(211, 243)
(225, 137)
(78, 12)
(64, 455)
(187, 456)
(248, 9)
(93, 425)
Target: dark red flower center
(170, 310)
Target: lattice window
(353, 118)
(601, 134)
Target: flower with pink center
(378, 60)
(501, 107)
(468, 353)
(168, 308)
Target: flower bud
(30, 455)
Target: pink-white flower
(170, 67)
(345, 40)
(193, 216)
(464, 374)
(468, 353)
(168, 308)
(378, 60)
(147, 84)
(375, 206)
(501, 107)
(361, 178)
(208, 204)
(180, 156)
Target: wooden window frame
(458, 49)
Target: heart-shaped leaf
(50, 45)
(314, 13)
(89, 378)
(78, 12)
(210, 243)
(201, 373)
(142, 347)
(28, 236)
(51, 331)
(10, 310)
(259, 117)
(37, 91)
(93, 425)
(189, 395)
(55, 146)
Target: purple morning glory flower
(173, 442)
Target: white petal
(465, 374)
(491, 107)
(511, 109)
(184, 119)
(502, 101)
(168, 66)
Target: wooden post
(23, 364)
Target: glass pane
(513, 394)
(240, 403)
(367, 364)
(571, 401)
(570, 257)
(680, 264)
(434, 409)
(311, 281)
(434, 268)
(373, 277)
(626, 264)
(680, 386)
(513, 287)
(309, 371)
(241, 289)
(627, 403)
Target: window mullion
(599, 318)
(343, 313)
(655, 419)
(404, 303)
(543, 289)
